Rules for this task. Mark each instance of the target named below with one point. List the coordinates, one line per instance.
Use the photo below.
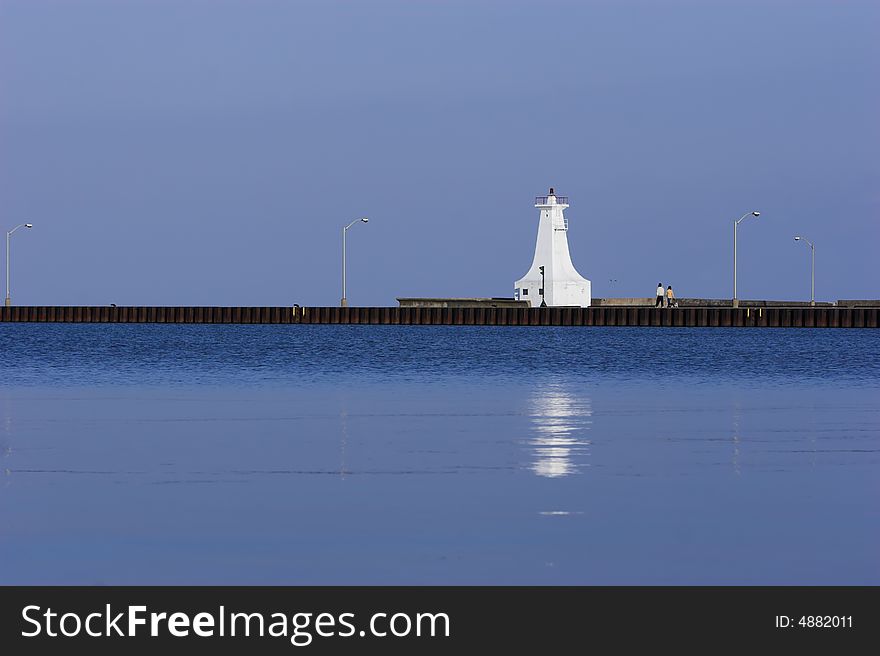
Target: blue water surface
(216, 454)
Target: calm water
(391, 454)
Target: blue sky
(196, 152)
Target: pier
(681, 317)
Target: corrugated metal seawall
(809, 317)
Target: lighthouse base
(562, 293)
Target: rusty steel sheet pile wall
(690, 317)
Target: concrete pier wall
(773, 317)
(722, 302)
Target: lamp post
(812, 269)
(543, 302)
(344, 301)
(735, 225)
(8, 235)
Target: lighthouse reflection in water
(560, 423)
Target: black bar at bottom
(438, 619)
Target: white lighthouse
(552, 280)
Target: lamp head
(797, 238)
(756, 213)
(28, 225)
(365, 220)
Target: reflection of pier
(559, 423)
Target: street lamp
(543, 302)
(812, 269)
(8, 235)
(735, 224)
(344, 301)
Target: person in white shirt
(660, 295)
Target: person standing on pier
(659, 302)
(670, 297)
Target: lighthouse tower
(552, 280)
